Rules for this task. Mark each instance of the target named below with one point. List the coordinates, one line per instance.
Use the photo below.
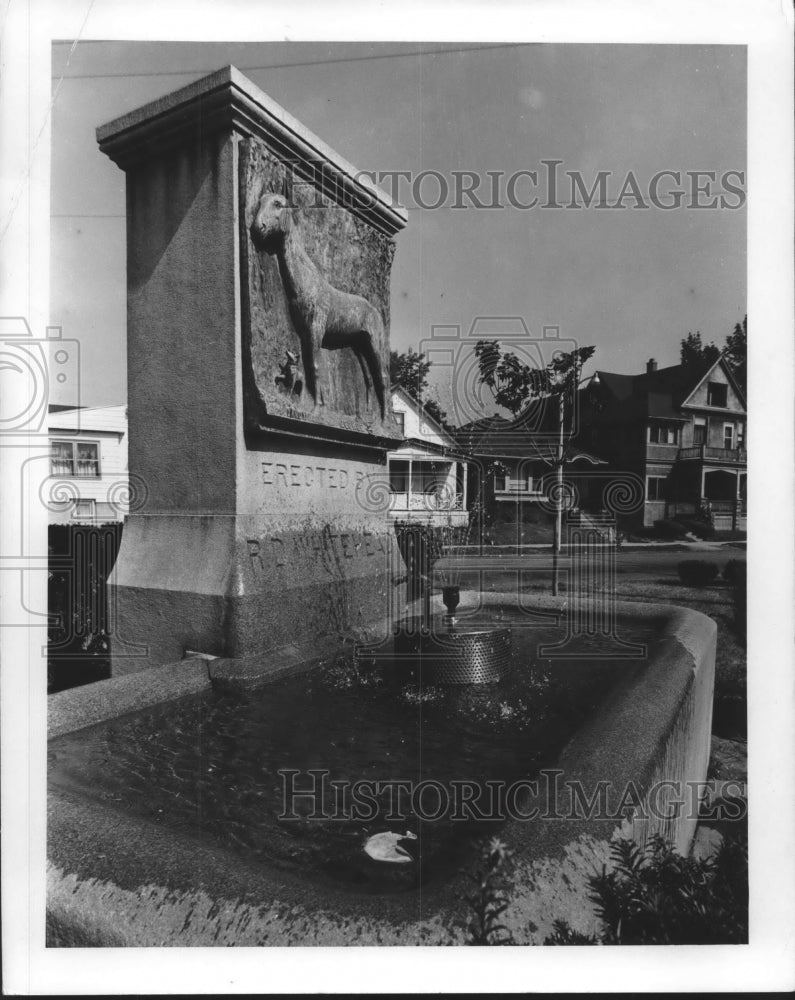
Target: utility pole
(556, 542)
(569, 385)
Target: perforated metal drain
(468, 654)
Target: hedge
(697, 572)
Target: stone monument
(258, 266)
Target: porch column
(464, 477)
(408, 488)
(736, 510)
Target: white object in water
(385, 847)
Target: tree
(695, 354)
(702, 356)
(410, 371)
(516, 386)
(735, 352)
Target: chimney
(651, 366)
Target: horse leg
(319, 369)
(365, 370)
(374, 364)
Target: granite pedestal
(258, 367)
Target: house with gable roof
(427, 472)
(89, 479)
(513, 462)
(682, 431)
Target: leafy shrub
(694, 526)
(669, 530)
(650, 896)
(734, 572)
(657, 896)
(697, 572)
(489, 900)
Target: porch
(720, 493)
(423, 488)
(723, 497)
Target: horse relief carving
(325, 318)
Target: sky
(632, 281)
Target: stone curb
(90, 704)
(117, 880)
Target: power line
(114, 215)
(290, 65)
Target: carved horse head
(272, 222)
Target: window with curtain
(87, 460)
(62, 458)
(75, 459)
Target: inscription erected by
(309, 476)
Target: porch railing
(434, 501)
(514, 487)
(700, 452)
(728, 506)
(674, 507)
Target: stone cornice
(228, 101)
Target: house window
(62, 458)
(728, 436)
(400, 418)
(717, 394)
(740, 435)
(399, 477)
(700, 431)
(78, 459)
(664, 434)
(84, 508)
(655, 488)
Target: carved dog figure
(325, 317)
(287, 379)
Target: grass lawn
(730, 663)
(730, 706)
(716, 603)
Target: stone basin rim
(661, 714)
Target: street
(648, 562)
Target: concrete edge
(182, 900)
(77, 708)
